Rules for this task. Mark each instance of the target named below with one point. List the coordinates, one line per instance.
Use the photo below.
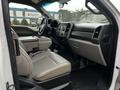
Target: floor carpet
(89, 79)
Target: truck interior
(66, 55)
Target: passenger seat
(42, 67)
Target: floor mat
(88, 79)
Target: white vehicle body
(6, 75)
(5, 65)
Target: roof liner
(33, 2)
(27, 2)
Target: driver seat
(43, 67)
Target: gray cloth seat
(49, 66)
(42, 66)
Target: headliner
(32, 2)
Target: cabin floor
(89, 78)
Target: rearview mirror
(62, 2)
(61, 5)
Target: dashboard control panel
(63, 29)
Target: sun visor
(36, 1)
(63, 1)
(60, 1)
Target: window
(11, 13)
(24, 15)
(116, 3)
(74, 11)
(19, 13)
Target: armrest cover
(44, 43)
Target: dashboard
(91, 41)
(64, 29)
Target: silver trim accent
(68, 35)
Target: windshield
(74, 11)
(116, 3)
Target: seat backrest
(23, 61)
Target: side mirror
(92, 7)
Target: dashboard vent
(68, 27)
(96, 32)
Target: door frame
(7, 47)
(8, 69)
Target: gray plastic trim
(88, 50)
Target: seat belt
(16, 43)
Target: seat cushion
(24, 63)
(48, 65)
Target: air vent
(68, 27)
(96, 33)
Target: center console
(34, 43)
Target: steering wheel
(43, 26)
